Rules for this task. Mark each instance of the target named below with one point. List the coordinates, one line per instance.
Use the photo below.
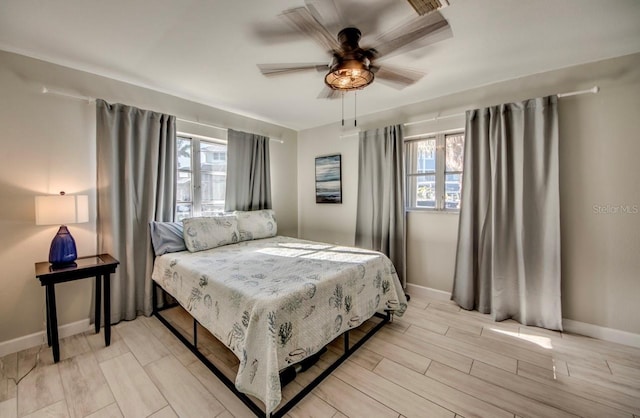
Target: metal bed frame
(286, 375)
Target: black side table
(98, 266)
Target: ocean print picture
(328, 179)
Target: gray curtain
(380, 217)
(248, 173)
(136, 152)
(508, 258)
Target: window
(202, 176)
(434, 171)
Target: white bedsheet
(275, 301)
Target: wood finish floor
(436, 361)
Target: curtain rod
(89, 100)
(594, 90)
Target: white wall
(598, 157)
(48, 145)
(327, 222)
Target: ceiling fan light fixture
(349, 74)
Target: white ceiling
(207, 50)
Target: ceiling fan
(353, 67)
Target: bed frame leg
(154, 297)
(195, 333)
(346, 341)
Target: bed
(276, 301)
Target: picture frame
(328, 170)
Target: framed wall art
(329, 179)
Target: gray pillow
(167, 237)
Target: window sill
(433, 211)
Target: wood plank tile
(157, 328)
(134, 391)
(56, 410)
(110, 411)
(214, 356)
(615, 382)
(560, 399)
(312, 406)
(288, 392)
(540, 357)
(417, 304)
(74, 345)
(535, 343)
(40, 388)
(400, 355)
(186, 395)
(442, 305)
(366, 358)
(8, 376)
(399, 324)
(40, 356)
(142, 343)
(623, 354)
(219, 390)
(181, 352)
(102, 353)
(468, 321)
(466, 349)
(426, 349)
(539, 373)
(428, 321)
(588, 389)
(85, 388)
(601, 372)
(350, 401)
(9, 408)
(166, 412)
(543, 332)
(225, 414)
(496, 395)
(631, 373)
(567, 350)
(437, 392)
(389, 393)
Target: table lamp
(61, 210)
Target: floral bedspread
(276, 301)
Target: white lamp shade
(62, 210)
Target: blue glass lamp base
(63, 248)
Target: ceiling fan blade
(327, 14)
(422, 7)
(306, 23)
(431, 28)
(277, 69)
(395, 77)
(328, 93)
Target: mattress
(276, 301)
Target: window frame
(440, 172)
(195, 170)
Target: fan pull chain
(342, 94)
(355, 108)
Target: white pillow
(210, 232)
(256, 224)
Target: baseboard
(415, 289)
(35, 339)
(569, 325)
(601, 333)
